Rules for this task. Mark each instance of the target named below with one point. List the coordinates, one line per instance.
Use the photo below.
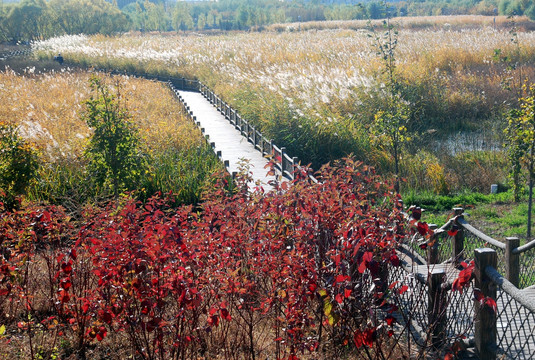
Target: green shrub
(18, 165)
(114, 153)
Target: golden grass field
(310, 68)
(316, 88)
(48, 109)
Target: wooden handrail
(287, 165)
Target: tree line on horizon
(29, 20)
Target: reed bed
(317, 91)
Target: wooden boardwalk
(228, 143)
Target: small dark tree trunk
(396, 168)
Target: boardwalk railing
(504, 272)
(457, 239)
(288, 166)
(13, 53)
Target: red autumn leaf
(225, 314)
(452, 232)
(213, 320)
(364, 338)
(101, 333)
(339, 299)
(478, 295)
(403, 289)
(491, 303)
(390, 320)
(66, 284)
(394, 260)
(366, 258)
(337, 258)
(67, 267)
(463, 279)
(64, 296)
(362, 267)
(347, 293)
(60, 257)
(416, 213)
(455, 286)
(449, 356)
(45, 217)
(422, 228)
(105, 316)
(4, 292)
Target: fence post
(283, 152)
(432, 252)
(512, 261)
(295, 163)
(457, 245)
(485, 321)
(437, 307)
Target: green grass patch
(497, 215)
(439, 203)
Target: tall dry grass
(48, 108)
(317, 91)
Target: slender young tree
(389, 128)
(520, 141)
(114, 151)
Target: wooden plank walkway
(232, 146)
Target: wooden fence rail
(505, 332)
(287, 165)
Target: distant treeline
(28, 20)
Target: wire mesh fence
(515, 319)
(527, 269)
(416, 305)
(460, 314)
(515, 328)
(445, 247)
